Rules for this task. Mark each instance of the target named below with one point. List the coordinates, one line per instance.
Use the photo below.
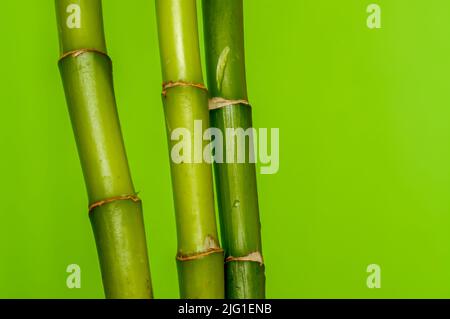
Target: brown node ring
(252, 257)
(196, 256)
(95, 205)
(219, 102)
(172, 84)
(75, 53)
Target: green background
(364, 124)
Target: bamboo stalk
(199, 258)
(235, 182)
(115, 209)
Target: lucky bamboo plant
(235, 182)
(185, 99)
(114, 208)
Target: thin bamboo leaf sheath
(235, 182)
(200, 259)
(115, 211)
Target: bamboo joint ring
(100, 203)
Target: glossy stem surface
(235, 182)
(200, 260)
(118, 225)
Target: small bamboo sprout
(115, 210)
(235, 182)
(200, 259)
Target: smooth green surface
(88, 87)
(198, 279)
(192, 181)
(238, 196)
(364, 148)
(122, 249)
(90, 14)
(235, 182)
(238, 207)
(192, 187)
(178, 43)
(118, 226)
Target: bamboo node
(252, 257)
(75, 53)
(171, 84)
(210, 251)
(95, 205)
(219, 102)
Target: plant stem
(200, 259)
(235, 182)
(116, 212)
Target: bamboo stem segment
(115, 213)
(235, 183)
(199, 259)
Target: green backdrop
(364, 118)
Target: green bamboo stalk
(115, 210)
(199, 259)
(235, 182)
